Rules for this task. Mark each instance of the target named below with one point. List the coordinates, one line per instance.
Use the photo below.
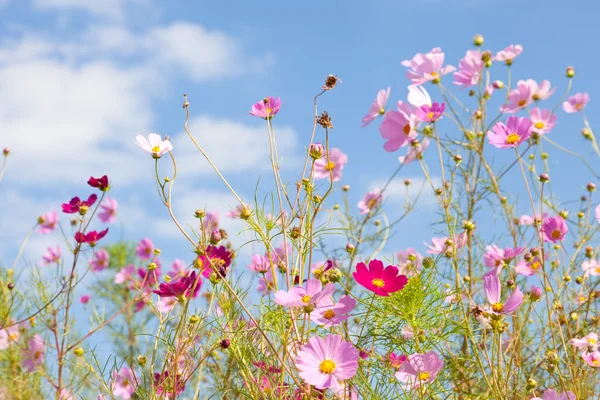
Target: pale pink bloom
(409, 262)
(589, 341)
(495, 257)
(99, 260)
(34, 354)
(237, 212)
(166, 304)
(592, 358)
(543, 120)
(47, 222)
(330, 166)
(8, 335)
(518, 98)
(145, 249)
(469, 69)
(427, 67)
(554, 229)
(419, 369)
(333, 314)
(407, 332)
(123, 383)
(492, 287)
(529, 220)
(299, 296)
(370, 202)
(377, 108)
(108, 210)
(418, 96)
(266, 108)
(84, 299)
(553, 395)
(576, 103)
(210, 222)
(399, 127)
(177, 270)
(509, 54)
(265, 283)
(154, 145)
(52, 255)
(541, 91)
(414, 152)
(529, 268)
(125, 274)
(439, 245)
(591, 267)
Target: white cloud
(113, 9)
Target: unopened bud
(510, 283)
(478, 40)
(225, 343)
(544, 156)
(78, 351)
(428, 262)
(194, 319)
(199, 213)
(544, 178)
(156, 251)
(215, 237)
(427, 130)
(10, 286)
(316, 150)
(564, 214)
(152, 266)
(467, 278)
(457, 158)
(350, 248)
(317, 199)
(579, 280)
(567, 278)
(141, 360)
(407, 181)
(498, 85)
(531, 384)
(590, 187)
(535, 294)
(6, 151)
(468, 225)
(580, 214)
(415, 142)
(570, 72)
(345, 188)
(295, 232)
(587, 133)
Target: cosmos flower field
(499, 302)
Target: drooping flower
(267, 108)
(84, 299)
(180, 288)
(47, 222)
(214, 258)
(100, 260)
(592, 358)
(427, 67)
(370, 202)
(52, 255)
(333, 314)
(78, 205)
(589, 341)
(325, 363)
(419, 369)
(591, 267)
(100, 183)
(123, 383)
(299, 296)
(145, 249)
(554, 229)
(91, 237)
(541, 91)
(492, 287)
(399, 127)
(414, 152)
(469, 69)
(496, 257)
(518, 98)
(551, 394)
(543, 120)
(108, 210)
(379, 280)
(34, 354)
(576, 103)
(515, 132)
(154, 145)
(377, 108)
(241, 211)
(509, 54)
(330, 166)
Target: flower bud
(225, 343)
(415, 142)
(152, 266)
(535, 294)
(141, 360)
(471, 93)
(333, 275)
(427, 130)
(498, 85)
(534, 251)
(10, 286)
(194, 319)
(336, 206)
(567, 278)
(590, 187)
(580, 214)
(167, 179)
(156, 252)
(345, 188)
(544, 178)
(574, 316)
(428, 262)
(467, 278)
(350, 248)
(579, 280)
(78, 351)
(457, 158)
(527, 257)
(486, 56)
(316, 151)
(245, 213)
(468, 225)
(6, 151)
(570, 72)
(510, 283)
(531, 384)
(407, 182)
(544, 156)
(317, 199)
(564, 214)
(439, 191)
(478, 114)
(587, 133)
(215, 237)
(199, 213)
(478, 40)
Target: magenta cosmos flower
(551, 394)
(414, 152)
(123, 383)
(518, 98)
(84, 299)
(100, 183)
(543, 120)
(100, 260)
(181, 287)
(492, 287)
(333, 314)
(267, 108)
(91, 237)
(469, 69)
(145, 249)
(379, 280)
(576, 103)
(52, 255)
(591, 267)
(554, 229)
(370, 202)
(509, 54)
(395, 360)
(216, 259)
(34, 354)
(515, 132)
(47, 222)
(108, 210)
(298, 296)
(332, 166)
(154, 145)
(427, 67)
(399, 127)
(377, 108)
(78, 205)
(419, 369)
(325, 363)
(592, 358)
(589, 341)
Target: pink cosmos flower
(99, 260)
(551, 394)
(8, 335)
(177, 270)
(215, 258)
(91, 237)
(541, 91)
(267, 108)
(180, 288)
(414, 152)
(427, 67)
(325, 363)
(543, 120)
(431, 113)
(554, 229)
(145, 249)
(100, 183)
(495, 257)
(589, 341)
(515, 132)
(419, 369)
(396, 361)
(210, 222)
(260, 264)
(492, 287)
(108, 210)
(123, 383)
(377, 108)
(440, 245)
(592, 358)
(509, 54)
(370, 202)
(298, 296)
(576, 103)
(332, 166)
(64, 394)
(407, 332)
(469, 69)
(84, 299)
(409, 262)
(237, 212)
(47, 222)
(154, 145)
(166, 304)
(399, 127)
(591, 267)
(529, 220)
(597, 213)
(265, 283)
(34, 354)
(168, 386)
(379, 280)
(78, 205)
(125, 274)
(333, 314)
(52, 255)
(518, 98)
(529, 268)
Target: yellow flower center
(556, 234)
(596, 362)
(377, 282)
(582, 299)
(535, 265)
(539, 125)
(406, 129)
(597, 270)
(424, 376)
(156, 149)
(329, 314)
(381, 111)
(305, 299)
(330, 166)
(592, 341)
(513, 138)
(521, 103)
(498, 307)
(327, 367)
(536, 96)
(430, 115)
(13, 336)
(434, 74)
(269, 110)
(578, 106)
(372, 203)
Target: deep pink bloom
(469, 69)
(78, 205)
(91, 237)
(515, 132)
(541, 91)
(377, 108)
(399, 127)
(432, 113)
(409, 262)
(554, 229)
(518, 98)
(154, 145)
(509, 54)
(123, 383)
(576, 103)
(591, 267)
(34, 354)
(529, 268)
(145, 249)
(440, 245)
(370, 202)
(592, 358)
(125, 274)
(589, 342)
(414, 152)
(330, 166)
(180, 288)
(100, 183)
(325, 363)
(379, 280)
(396, 361)
(52, 255)
(108, 210)
(427, 67)
(99, 260)
(495, 257)
(543, 120)
(551, 394)
(215, 258)
(267, 108)
(84, 299)
(47, 222)
(167, 386)
(419, 369)
(492, 287)
(333, 314)
(299, 296)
